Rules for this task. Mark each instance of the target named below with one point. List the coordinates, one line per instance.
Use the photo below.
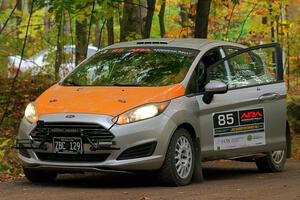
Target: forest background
(28, 27)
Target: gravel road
(223, 180)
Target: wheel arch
(189, 128)
(196, 140)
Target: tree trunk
(184, 15)
(82, 43)
(29, 4)
(161, 17)
(20, 9)
(272, 23)
(202, 14)
(132, 20)
(97, 33)
(59, 51)
(149, 18)
(110, 31)
(19, 18)
(46, 19)
(100, 41)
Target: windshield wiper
(70, 83)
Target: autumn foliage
(100, 23)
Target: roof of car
(192, 43)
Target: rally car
(163, 105)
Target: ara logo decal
(248, 115)
(251, 116)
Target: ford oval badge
(70, 116)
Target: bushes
(293, 110)
(27, 89)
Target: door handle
(269, 96)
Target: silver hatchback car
(162, 105)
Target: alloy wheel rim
(277, 156)
(183, 157)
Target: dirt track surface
(223, 180)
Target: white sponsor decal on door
(239, 141)
(237, 129)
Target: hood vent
(152, 42)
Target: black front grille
(93, 132)
(139, 151)
(72, 157)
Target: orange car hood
(106, 100)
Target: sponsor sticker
(237, 129)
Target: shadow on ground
(141, 180)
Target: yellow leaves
(5, 13)
(219, 4)
(179, 32)
(18, 13)
(179, 1)
(133, 36)
(36, 23)
(158, 5)
(3, 145)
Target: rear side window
(253, 67)
(230, 50)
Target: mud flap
(198, 174)
(288, 141)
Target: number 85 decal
(226, 119)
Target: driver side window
(219, 72)
(249, 68)
(199, 77)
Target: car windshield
(146, 66)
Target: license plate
(69, 145)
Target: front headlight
(30, 113)
(140, 113)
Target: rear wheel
(179, 163)
(35, 175)
(273, 162)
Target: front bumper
(158, 129)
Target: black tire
(268, 164)
(198, 172)
(37, 176)
(168, 173)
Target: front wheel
(179, 163)
(36, 176)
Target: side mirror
(213, 87)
